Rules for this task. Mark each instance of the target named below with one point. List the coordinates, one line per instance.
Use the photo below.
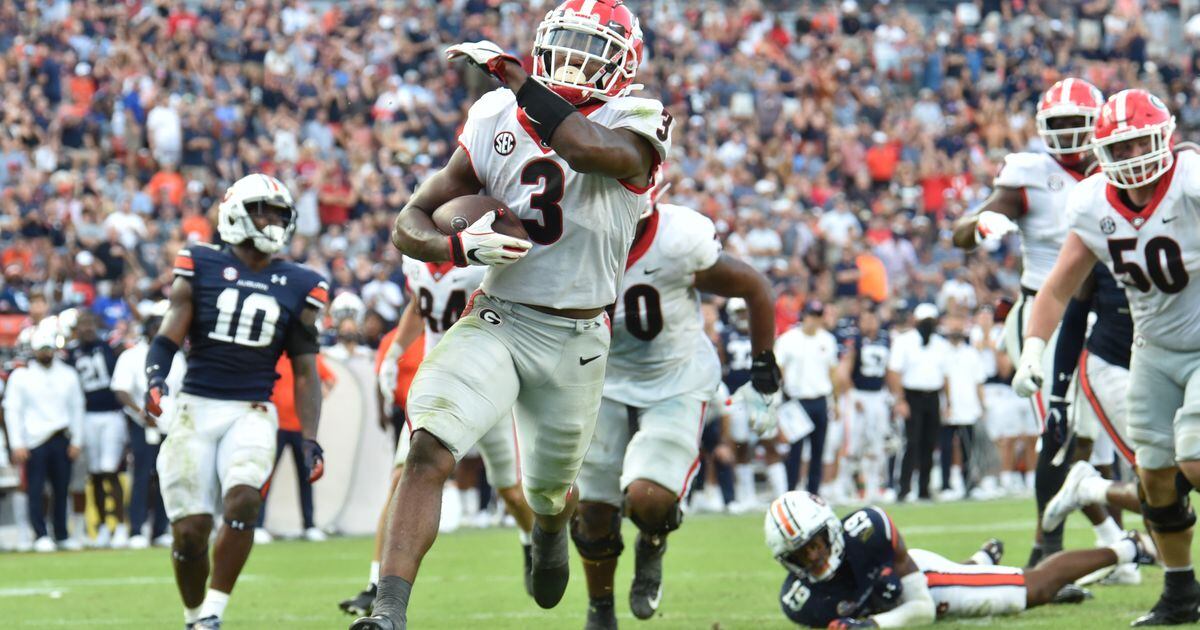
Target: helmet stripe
(587, 7)
(1065, 96)
(782, 517)
(1120, 113)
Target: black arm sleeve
(1071, 336)
(301, 339)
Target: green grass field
(718, 575)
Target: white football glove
(993, 226)
(1029, 377)
(388, 373)
(485, 55)
(484, 246)
(761, 409)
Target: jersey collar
(439, 270)
(1134, 217)
(641, 244)
(523, 120)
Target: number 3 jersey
(242, 320)
(580, 224)
(659, 350)
(1152, 252)
(441, 291)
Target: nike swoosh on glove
(993, 225)
(485, 55)
(1056, 419)
(484, 246)
(314, 460)
(1029, 377)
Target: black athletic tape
(544, 109)
(1167, 519)
(606, 548)
(673, 521)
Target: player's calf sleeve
(1047, 482)
(391, 600)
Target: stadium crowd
(833, 144)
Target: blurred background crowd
(833, 143)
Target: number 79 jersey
(242, 320)
(1154, 253)
(659, 350)
(580, 224)
(441, 291)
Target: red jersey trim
(641, 244)
(1114, 198)
(438, 270)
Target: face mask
(956, 337)
(925, 327)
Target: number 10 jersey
(242, 320)
(1153, 252)
(659, 350)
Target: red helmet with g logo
(1069, 98)
(588, 49)
(1130, 116)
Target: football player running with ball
(574, 157)
(662, 371)
(1141, 219)
(240, 307)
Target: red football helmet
(1133, 139)
(1069, 98)
(586, 49)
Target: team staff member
(289, 434)
(43, 408)
(917, 375)
(807, 356)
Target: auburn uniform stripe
(185, 262)
(935, 578)
(782, 517)
(320, 294)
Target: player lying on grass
(857, 572)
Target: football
(459, 213)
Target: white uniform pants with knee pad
(1098, 408)
(498, 447)
(503, 356)
(660, 443)
(869, 423)
(214, 445)
(1164, 405)
(970, 590)
(1014, 340)
(104, 438)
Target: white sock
(744, 477)
(374, 574)
(777, 478)
(1125, 550)
(1107, 532)
(1093, 490)
(524, 536)
(214, 604)
(78, 525)
(956, 478)
(191, 615)
(1029, 479)
(981, 558)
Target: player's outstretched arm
(1007, 202)
(414, 233)
(730, 277)
(166, 343)
(302, 348)
(1075, 262)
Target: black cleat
(994, 549)
(375, 622)
(1173, 610)
(360, 605)
(602, 614)
(646, 591)
(526, 550)
(550, 566)
(1071, 594)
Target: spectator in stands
(917, 377)
(43, 410)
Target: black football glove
(314, 460)
(764, 373)
(1056, 419)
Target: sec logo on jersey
(1107, 225)
(505, 142)
(1054, 182)
(230, 274)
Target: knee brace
(606, 547)
(1166, 519)
(669, 524)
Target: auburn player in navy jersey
(104, 430)
(240, 308)
(736, 360)
(857, 572)
(864, 366)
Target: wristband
(457, 255)
(159, 358)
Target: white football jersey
(659, 350)
(441, 291)
(1045, 184)
(1154, 253)
(580, 224)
